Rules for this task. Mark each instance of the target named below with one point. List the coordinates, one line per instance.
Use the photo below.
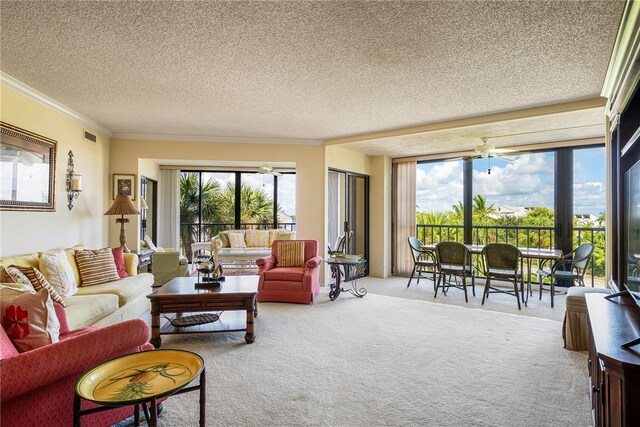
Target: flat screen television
(632, 216)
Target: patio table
(527, 253)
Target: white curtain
(405, 216)
(169, 209)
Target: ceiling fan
(486, 151)
(268, 170)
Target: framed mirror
(27, 170)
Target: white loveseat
(257, 244)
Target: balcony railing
(197, 232)
(522, 236)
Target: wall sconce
(74, 182)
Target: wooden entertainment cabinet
(614, 372)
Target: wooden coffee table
(180, 295)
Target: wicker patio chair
(571, 267)
(453, 259)
(503, 262)
(424, 261)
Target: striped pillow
(96, 266)
(38, 281)
(290, 254)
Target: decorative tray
(137, 377)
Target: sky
(527, 181)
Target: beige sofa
(103, 304)
(257, 242)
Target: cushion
(236, 240)
(125, 289)
(280, 235)
(150, 243)
(284, 274)
(224, 236)
(96, 266)
(290, 254)
(257, 238)
(38, 281)
(118, 257)
(6, 277)
(83, 310)
(55, 266)
(14, 275)
(28, 318)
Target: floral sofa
(103, 304)
(245, 249)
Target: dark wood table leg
(153, 421)
(76, 411)
(249, 337)
(255, 309)
(136, 415)
(155, 324)
(203, 397)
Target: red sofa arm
(266, 263)
(45, 365)
(313, 262)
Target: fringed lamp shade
(122, 206)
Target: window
(211, 202)
(513, 201)
(439, 195)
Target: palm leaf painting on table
(141, 380)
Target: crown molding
(218, 139)
(23, 89)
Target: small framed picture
(124, 184)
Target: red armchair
(37, 386)
(290, 284)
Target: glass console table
(346, 261)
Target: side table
(145, 257)
(140, 379)
(345, 261)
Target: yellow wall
(380, 221)
(23, 232)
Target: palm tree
(191, 197)
(481, 212)
(256, 205)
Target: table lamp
(122, 206)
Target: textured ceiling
(310, 70)
(582, 124)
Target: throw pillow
(236, 240)
(257, 238)
(224, 238)
(28, 318)
(56, 268)
(16, 276)
(96, 266)
(118, 257)
(6, 277)
(290, 254)
(280, 235)
(150, 244)
(38, 281)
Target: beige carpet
(387, 361)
